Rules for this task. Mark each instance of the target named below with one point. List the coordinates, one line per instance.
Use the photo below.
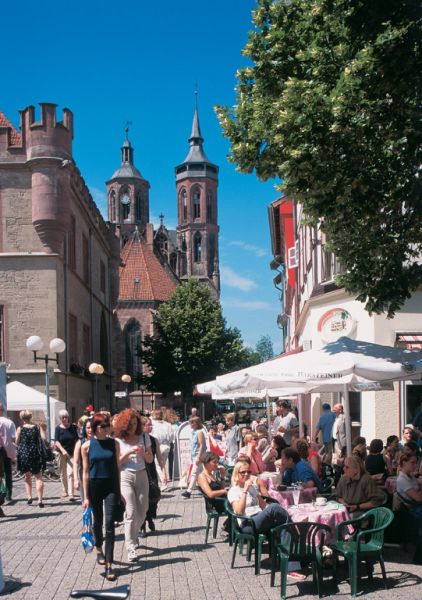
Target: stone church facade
(66, 272)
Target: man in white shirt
(164, 433)
(280, 412)
(7, 450)
(289, 424)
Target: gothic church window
(132, 347)
(211, 254)
(139, 207)
(184, 205)
(173, 261)
(196, 203)
(209, 208)
(197, 248)
(112, 206)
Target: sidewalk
(43, 559)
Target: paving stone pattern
(43, 559)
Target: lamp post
(35, 344)
(96, 369)
(126, 379)
(142, 389)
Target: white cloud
(248, 304)
(259, 252)
(232, 279)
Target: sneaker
(142, 534)
(186, 494)
(132, 555)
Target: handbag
(154, 491)
(87, 536)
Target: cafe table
(332, 514)
(285, 497)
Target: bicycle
(118, 593)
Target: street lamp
(96, 369)
(35, 344)
(142, 389)
(126, 379)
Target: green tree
(330, 103)
(192, 342)
(264, 349)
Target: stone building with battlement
(67, 272)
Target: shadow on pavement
(42, 513)
(167, 517)
(13, 585)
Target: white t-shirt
(252, 503)
(135, 462)
(405, 483)
(163, 432)
(288, 422)
(276, 425)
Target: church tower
(128, 195)
(197, 230)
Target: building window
(196, 203)
(102, 277)
(104, 343)
(211, 254)
(132, 348)
(139, 207)
(112, 206)
(86, 345)
(173, 261)
(72, 243)
(85, 259)
(209, 208)
(2, 327)
(355, 412)
(184, 203)
(197, 248)
(73, 339)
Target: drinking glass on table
(296, 495)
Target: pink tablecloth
(391, 484)
(328, 515)
(285, 499)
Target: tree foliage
(264, 348)
(192, 342)
(331, 105)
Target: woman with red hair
(101, 483)
(134, 452)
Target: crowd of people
(120, 465)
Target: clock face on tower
(125, 199)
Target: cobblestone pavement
(43, 559)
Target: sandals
(110, 575)
(296, 576)
(100, 558)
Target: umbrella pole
(267, 402)
(346, 407)
(300, 415)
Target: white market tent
(20, 397)
(342, 365)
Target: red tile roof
(15, 136)
(142, 277)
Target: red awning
(410, 341)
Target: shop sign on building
(336, 323)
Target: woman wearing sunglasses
(101, 483)
(247, 497)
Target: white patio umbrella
(339, 366)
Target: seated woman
(391, 454)
(251, 451)
(356, 488)
(295, 469)
(359, 447)
(375, 462)
(262, 433)
(211, 481)
(246, 496)
(310, 455)
(410, 489)
(273, 453)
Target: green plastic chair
(212, 514)
(303, 543)
(364, 543)
(253, 540)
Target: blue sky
(135, 61)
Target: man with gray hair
(339, 430)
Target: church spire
(196, 153)
(127, 150)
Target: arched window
(132, 337)
(162, 243)
(184, 205)
(211, 254)
(197, 247)
(139, 207)
(209, 207)
(112, 204)
(173, 261)
(196, 200)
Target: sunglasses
(104, 426)
(244, 472)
